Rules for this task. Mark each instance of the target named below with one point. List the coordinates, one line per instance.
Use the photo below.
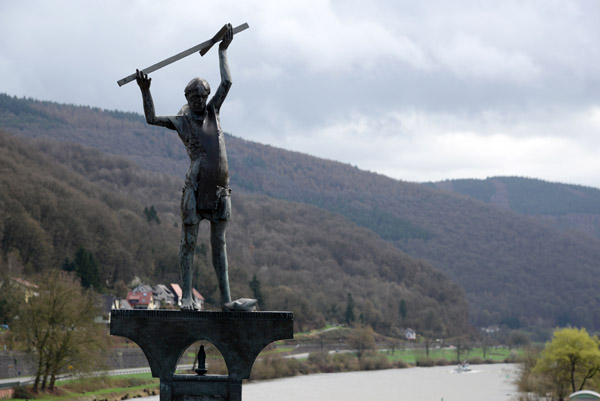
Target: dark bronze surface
(164, 335)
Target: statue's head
(196, 93)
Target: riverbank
(106, 388)
(485, 382)
(271, 366)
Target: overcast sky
(416, 90)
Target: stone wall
(20, 364)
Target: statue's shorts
(191, 215)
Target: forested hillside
(57, 198)
(113, 132)
(47, 213)
(569, 207)
(513, 268)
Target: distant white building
(490, 329)
(198, 298)
(121, 304)
(410, 334)
(142, 288)
(179, 294)
(164, 296)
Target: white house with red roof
(179, 294)
(198, 298)
(164, 297)
(141, 297)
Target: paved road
(306, 354)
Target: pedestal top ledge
(163, 335)
(187, 315)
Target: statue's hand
(227, 38)
(142, 80)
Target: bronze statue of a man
(206, 191)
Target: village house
(163, 296)
(159, 297)
(141, 297)
(179, 293)
(29, 289)
(198, 298)
(121, 304)
(410, 334)
(490, 329)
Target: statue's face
(197, 99)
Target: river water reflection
(484, 382)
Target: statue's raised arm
(225, 84)
(143, 82)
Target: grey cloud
(308, 68)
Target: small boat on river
(463, 367)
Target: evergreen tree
(349, 309)
(151, 214)
(403, 309)
(10, 297)
(256, 291)
(85, 267)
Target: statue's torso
(205, 145)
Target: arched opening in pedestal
(189, 363)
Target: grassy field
(475, 355)
(99, 388)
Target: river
(484, 382)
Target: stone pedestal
(163, 336)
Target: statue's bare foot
(242, 304)
(189, 304)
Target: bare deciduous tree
(362, 340)
(57, 326)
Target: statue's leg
(189, 233)
(219, 259)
